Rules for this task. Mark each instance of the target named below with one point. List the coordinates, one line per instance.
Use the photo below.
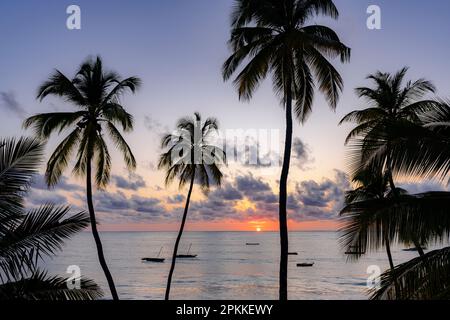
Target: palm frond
(122, 145)
(116, 114)
(45, 124)
(271, 37)
(59, 85)
(19, 161)
(40, 232)
(187, 153)
(422, 278)
(406, 218)
(131, 83)
(40, 286)
(59, 159)
(103, 163)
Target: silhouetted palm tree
(27, 236)
(370, 187)
(418, 151)
(389, 103)
(272, 36)
(96, 95)
(191, 157)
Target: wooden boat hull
(186, 256)
(413, 249)
(153, 259)
(302, 265)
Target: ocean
(225, 268)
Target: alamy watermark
(73, 21)
(74, 280)
(374, 19)
(248, 147)
(374, 278)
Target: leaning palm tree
(389, 103)
(370, 187)
(420, 151)
(96, 95)
(273, 37)
(191, 156)
(26, 237)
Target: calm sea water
(225, 267)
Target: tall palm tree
(96, 95)
(272, 37)
(389, 102)
(27, 236)
(191, 157)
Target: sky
(177, 47)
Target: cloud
(320, 200)
(105, 201)
(133, 182)
(154, 125)
(134, 209)
(242, 198)
(227, 192)
(179, 198)
(150, 206)
(249, 152)
(39, 183)
(149, 165)
(9, 101)
(249, 184)
(301, 154)
(224, 203)
(40, 197)
(426, 186)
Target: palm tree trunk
(389, 254)
(419, 248)
(387, 241)
(284, 241)
(393, 188)
(98, 242)
(177, 242)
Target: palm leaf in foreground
(40, 232)
(426, 278)
(19, 161)
(40, 286)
